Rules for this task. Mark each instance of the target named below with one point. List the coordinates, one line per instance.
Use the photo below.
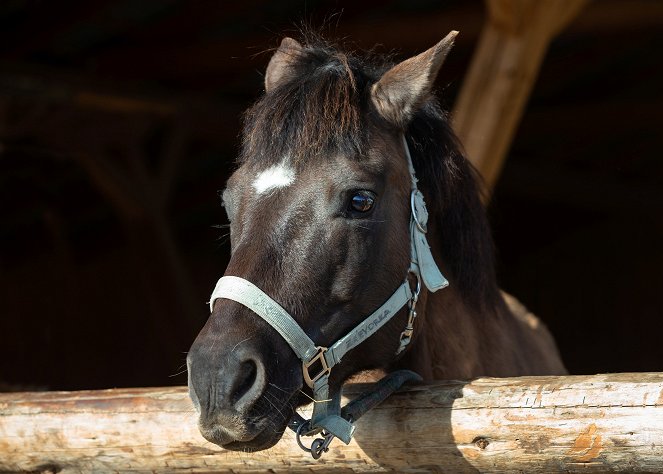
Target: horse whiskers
(266, 397)
(178, 373)
(223, 238)
(231, 352)
(274, 427)
(240, 342)
(286, 390)
(183, 366)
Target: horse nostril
(246, 379)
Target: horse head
(319, 211)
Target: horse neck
(455, 339)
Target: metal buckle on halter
(324, 369)
(406, 335)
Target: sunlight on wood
(595, 423)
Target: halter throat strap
(317, 361)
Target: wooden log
(592, 423)
(503, 71)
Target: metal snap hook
(319, 446)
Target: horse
(320, 211)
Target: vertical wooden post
(503, 71)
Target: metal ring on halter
(413, 206)
(299, 435)
(319, 445)
(417, 291)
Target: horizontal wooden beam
(532, 424)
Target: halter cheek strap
(317, 361)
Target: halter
(328, 418)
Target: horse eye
(362, 201)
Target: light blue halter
(317, 361)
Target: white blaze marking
(278, 176)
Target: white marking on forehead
(277, 176)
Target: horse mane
(323, 109)
(451, 186)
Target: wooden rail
(532, 424)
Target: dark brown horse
(320, 211)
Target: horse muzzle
(239, 383)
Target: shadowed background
(119, 123)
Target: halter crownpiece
(328, 418)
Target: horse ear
(279, 65)
(404, 87)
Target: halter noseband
(317, 362)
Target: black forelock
(319, 111)
(452, 187)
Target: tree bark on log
(592, 423)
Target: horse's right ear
(404, 87)
(279, 66)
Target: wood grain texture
(593, 423)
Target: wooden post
(503, 71)
(531, 424)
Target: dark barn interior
(119, 123)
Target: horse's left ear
(404, 87)
(279, 66)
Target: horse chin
(249, 437)
(260, 429)
(263, 440)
